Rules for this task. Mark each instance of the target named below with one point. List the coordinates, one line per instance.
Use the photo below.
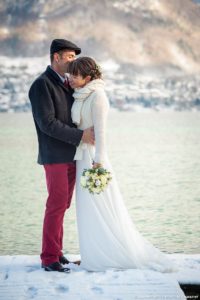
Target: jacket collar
(53, 75)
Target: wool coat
(51, 105)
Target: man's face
(63, 58)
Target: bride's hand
(97, 165)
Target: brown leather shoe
(63, 260)
(77, 262)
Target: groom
(51, 100)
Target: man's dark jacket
(51, 105)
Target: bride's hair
(84, 66)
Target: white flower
(83, 181)
(97, 182)
(103, 180)
(97, 190)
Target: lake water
(156, 157)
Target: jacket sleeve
(100, 107)
(44, 115)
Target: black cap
(61, 44)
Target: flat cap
(61, 44)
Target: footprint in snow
(97, 290)
(32, 292)
(62, 288)
(31, 269)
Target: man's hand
(88, 136)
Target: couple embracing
(70, 115)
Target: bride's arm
(100, 106)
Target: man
(51, 101)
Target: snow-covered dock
(21, 278)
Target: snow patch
(21, 277)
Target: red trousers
(60, 179)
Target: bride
(107, 236)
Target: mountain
(149, 49)
(145, 36)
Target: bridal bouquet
(95, 180)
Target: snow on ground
(21, 278)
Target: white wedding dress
(107, 236)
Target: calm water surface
(156, 157)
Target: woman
(108, 238)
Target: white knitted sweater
(90, 108)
